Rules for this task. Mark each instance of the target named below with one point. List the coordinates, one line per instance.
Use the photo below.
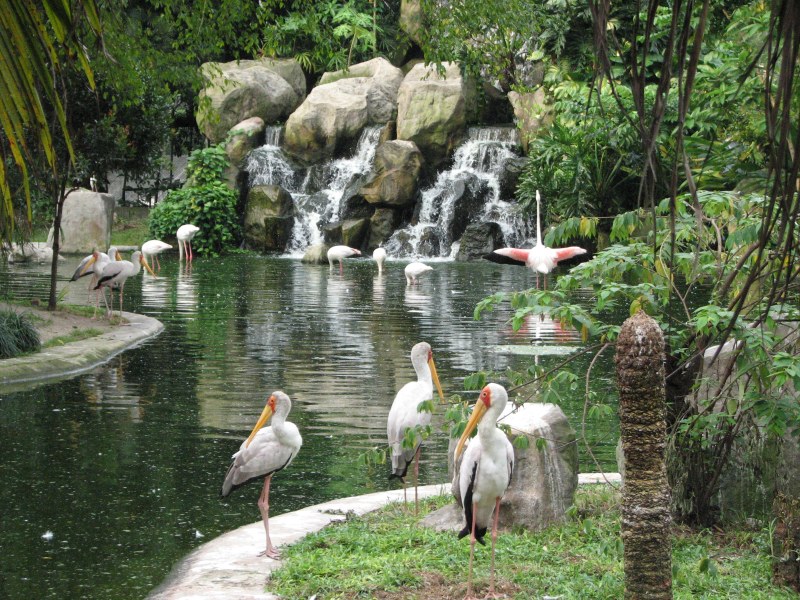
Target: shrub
(17, 334)
(206, 202)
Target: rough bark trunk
(786, 542)
(645, 496)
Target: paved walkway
(228, 567)
(60, 362)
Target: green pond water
(111, 477)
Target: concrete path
(60, 362)
(228, 566)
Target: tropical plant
(206, 202)
(17, 334)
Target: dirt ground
(60, 323)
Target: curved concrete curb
(228, 566)
(76, 357)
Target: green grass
(386, 554)
(75, 336)
(130, 233)
(18, 334)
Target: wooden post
(645, 494)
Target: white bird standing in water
(152, 248)
(94, 265)
(116, 273)
(484, 473)
(185, 234)
(540, 259)
(379, 256)
(339, 253)
(405, 414)
(414, 270)
(263, 453)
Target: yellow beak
(435, 376)
(262, 420)
(88, 264)
(477, 414)
(143, 261)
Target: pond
(111, 477)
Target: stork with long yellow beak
(265, 452)
(405, 414)
(484, 472)
(116, 273)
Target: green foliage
(207, 203)
(17, 334)
(389, 552)
(328, 35)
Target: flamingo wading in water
(263, 453)
(540, 258)
(379, 256)
(414, 270)
(340, 253)
(152, 248)
(484, 473)
(405, 414)
(185, 234)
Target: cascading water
(317, 191)
(469, 190)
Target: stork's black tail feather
(468, 507)
(479, 533)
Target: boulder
(544, 481)
(338, 109)
(479, 239)
(396, 170)
(235, 91)
(433, 110)
(469, 193)
(411, 19)
(353, 205)
(316, 254)
(354, 232)
(269, 218)
(243, 137)
(381, 225)
(38, 252)
(86, 222)
(509, 178)
(531, 113)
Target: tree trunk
(60, 193)
(786, 542)
(645, 494)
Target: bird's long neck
(539, 240)
(423, 373)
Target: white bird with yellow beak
(266, 451)
(484, 472)
(116, 273)
(405, 413)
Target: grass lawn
(387, 554)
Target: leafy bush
(207, 202)
(17, 334)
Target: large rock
(544, 481)
(338, 109)
(86, 222)
(235, 91)
(243, 138)
(316, 254)
(396, 171)
(433, 110)
(269, 218)
(531, 113)
(381, 225)
(478, 240)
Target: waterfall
(470, 189)
(317, 190)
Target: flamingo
(540, 258)
(154, 248)
(379, 255)
(116, 273)
(263, 453)
(339, 253)
(484, 473)
(405, 415)
(414, 270)
(185, 234)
